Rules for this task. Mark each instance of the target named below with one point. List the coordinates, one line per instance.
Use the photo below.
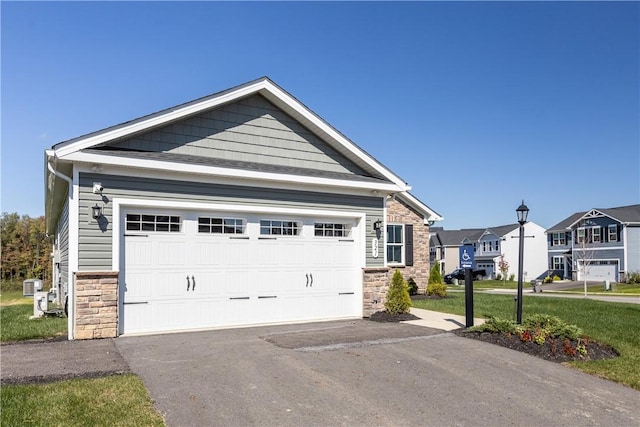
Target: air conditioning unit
(31, 286)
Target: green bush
(512, 277)
(495, 324)
(556, 278)
(413, 287)
(633, 278)
(498, 276)
(434, 274)
(398, 300)
(547, 279)
(437, 289)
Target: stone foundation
(96, 305)
(376, 284)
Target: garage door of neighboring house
(188, 270)
(599, 270)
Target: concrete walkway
(437, 320)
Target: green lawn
(616, 324)
(16, 325)
(119, 400)
(616, 288)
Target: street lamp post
(522, 212)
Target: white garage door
(190, 270)
(599, 270)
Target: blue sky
(476, 105)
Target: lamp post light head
(522, 212)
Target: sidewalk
(437, 320)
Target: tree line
(25, 248)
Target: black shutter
(408, 244)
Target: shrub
(434, 274)
(495, 324)
(633, 278)
(548, 279)
(556, 278)
(512, 277)
(437, 289)
(398, 299)
(498, 276)
(413, 287)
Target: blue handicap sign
(467, 257)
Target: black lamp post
(522, 212)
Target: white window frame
(613, 232)
(559, 239)
(557, 263)
(296, 228)
(595, 231)
(234, 223)
(154, 222)
(580, 234)
(395, 244)
(331, 229)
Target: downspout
(71, 285)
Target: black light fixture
(377, 224)
(96, 211)
(522, 212)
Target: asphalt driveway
(356, 373)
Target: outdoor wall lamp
(377, 225)
(96, 211)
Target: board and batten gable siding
(62, 248)
(249, 130)
(633, 250)
(95, 245)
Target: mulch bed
(384, 317)
(555, 350)
(552, 349)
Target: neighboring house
(489, 244)
(239, 208)
(596, 245)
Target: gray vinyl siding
(250, 130)
(633, 250)
(62, 237)
(95, 243)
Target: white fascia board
(213, 171)
(429, 214)
(66, 149)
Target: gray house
(239, 208)
(597, 245)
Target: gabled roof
(429, 214)
(264, 87)
(628, 215)
(457, 237)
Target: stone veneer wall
(376, 280)
(399, 213)
(96, 305)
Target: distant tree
(584, 249)
(398, 300)
(25, 249)
(503, 266)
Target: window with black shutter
(408, 245)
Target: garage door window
(220, 225)
(279, 228)
(153, 223)
(323, 229)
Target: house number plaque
(374, 247)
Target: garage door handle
(311, 284)
(307, 276)
(193, 283)
(188, 283)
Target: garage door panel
(170, 254)
(204, 312)
(140, 252)
(208, 254)
(138, 285)
(171, 284)
(207, 283)
(237, 253)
